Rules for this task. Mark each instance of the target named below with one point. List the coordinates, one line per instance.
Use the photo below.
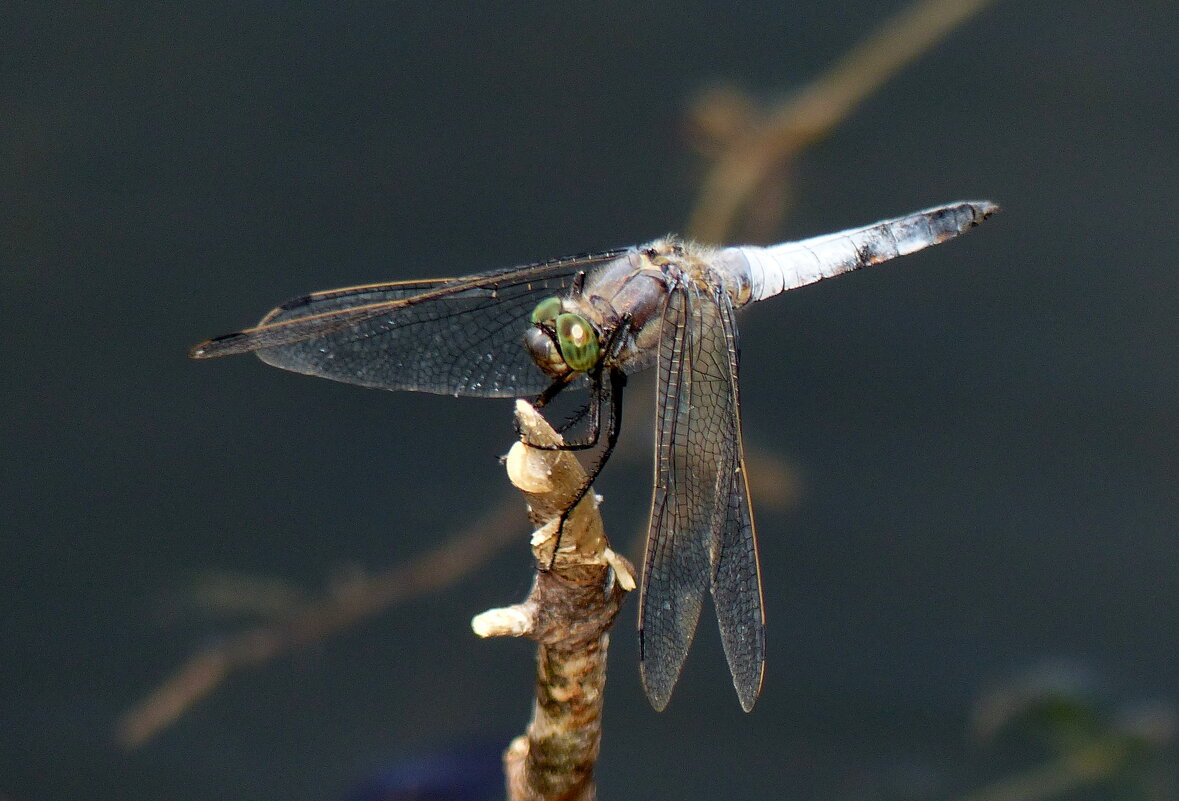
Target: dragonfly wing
(736, 584)
(676, 566)
(460, 337)
(701, 535)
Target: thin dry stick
(813, 112)
(312, 621)
(569, 613)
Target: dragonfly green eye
(546, 311)
(578, 341)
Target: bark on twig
(569, 613)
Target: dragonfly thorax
(561, 343)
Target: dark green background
(986, 433)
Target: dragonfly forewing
(455, 337)
(701, 535)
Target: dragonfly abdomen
(772, 270)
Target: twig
(764, 149)
(569, 612)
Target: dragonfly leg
(617, 382)
(575, 418)
(551, 391)
(593, 430)
(591, 409)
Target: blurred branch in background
(311, 621)
(752, 149)
(1086, 744)
(752, 152)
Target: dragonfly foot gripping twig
(569, 612)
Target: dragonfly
(586, 322)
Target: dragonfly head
(560, 342)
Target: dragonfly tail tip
(984, 209)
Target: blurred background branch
(312, 621)
(746, 192)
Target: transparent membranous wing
(701, 536)
(459, 337)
